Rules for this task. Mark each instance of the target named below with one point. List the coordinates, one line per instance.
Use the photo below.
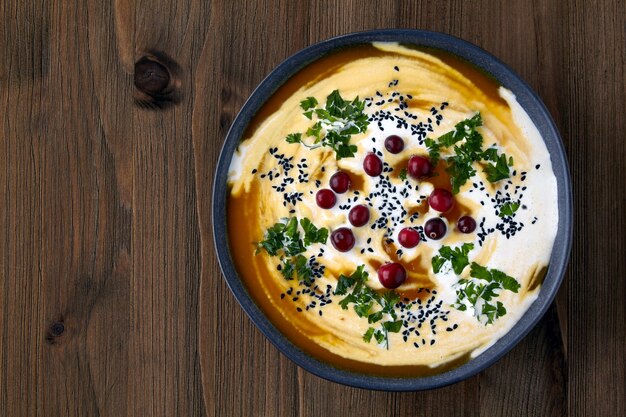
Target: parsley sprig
(368, 303)
(483, 286)
(467, 144)
(336, 122)
(479, 294)
(283, 239)
(456, 256)
(508, 209)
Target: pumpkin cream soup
(392, 210)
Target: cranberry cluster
(391, 275)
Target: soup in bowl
(390, 212)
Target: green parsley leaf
(302, 268)
(368, 303)
(358, 277)
(493, 275)
(294, 138)
(308, 103)
(374, 317)
(493, 312)
(460, 171)
(315, 131)
(507, 282)
(337, 122)
(509, 209)
(283, 239)
(393, 326)
(403, 174)
(287, 269)
(274, 239)
(480, 272)
(458, 258)
(362, 308)
(484, 288)
(293, 243)
(499, 171)
(345, 303)
(434, 150)
(467, 143)
(340, 144)
(312, 234)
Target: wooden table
(111, 299)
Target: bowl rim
(538, 113)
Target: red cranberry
(419, 167)
(325, 198)
(340, 182)
(342, 239)
(466, 224)
(435, 228)
(441, 200)
(394, 144)
(372, 165)
(409, 237)
(359, 215)
(391, 275)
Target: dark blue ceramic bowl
(527, 99)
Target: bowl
(526, 97)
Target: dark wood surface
(111, 299)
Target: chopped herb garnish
(403, 174)
(467, 143)
(494, 275)
(500, 170)
(473, 292)
(308, 103)
(368, 303)
(294, 138)
(508, 209)
(479, 295)
(299, 265)
(312, 234)
(456, 256)
(284, 240)
(337, 122)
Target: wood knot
(157, 81)
(55, 330)
(151, 77)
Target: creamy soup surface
(433, 239)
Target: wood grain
(111, 299)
